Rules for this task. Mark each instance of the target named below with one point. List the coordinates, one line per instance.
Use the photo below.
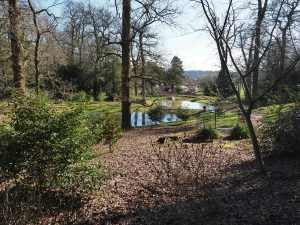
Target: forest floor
(179, 182)
(182, 183)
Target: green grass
(271, 111)
(205, 99)
(227, 119)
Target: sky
(196, 49)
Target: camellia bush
(39, 143)
(45, 154)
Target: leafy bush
(82, 178)
(183, 114)
(102, 97)
(41, 143)
(82, 96)
(239, 132)
(157, 113)
(47, 153)
(105, 127)
(111, 130)
(206, 133)
(282, 134)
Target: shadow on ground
(243, 197)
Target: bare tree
(144, 51)
(39, 33)
(287, 19)
(217, 27)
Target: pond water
(196, 105)
(139, 119)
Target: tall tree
(175, 73)
(126, 42)
(16, 46)
(261, 12)
(217, 26)
(39, 32)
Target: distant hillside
(195, 74)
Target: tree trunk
(257, 40)
(255, 145)
(96, 90)
(135, 79)
(282, 54)
(249, 85)
(37, 63)
(143, 66)
(16, 46)
(135, 87)
(126, 117)
(36, 48)
(81, 44)
(256, 60)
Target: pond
(139, 119)
(190, 105)
(196, 106)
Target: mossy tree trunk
(16, 46)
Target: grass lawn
(228, 119)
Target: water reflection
(139, 119)
(196, 105)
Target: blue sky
(196, 49)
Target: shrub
(110, 130)
(105, 127)
(47, 153)
(41, 143)
(102, 97)
(281, 135)
(157, 113)
(206, 133)
(82, 96)
(82, 178)
(183, 114)
(185, 169)
(239, 132)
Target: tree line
(81, 49)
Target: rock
(163, 140)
